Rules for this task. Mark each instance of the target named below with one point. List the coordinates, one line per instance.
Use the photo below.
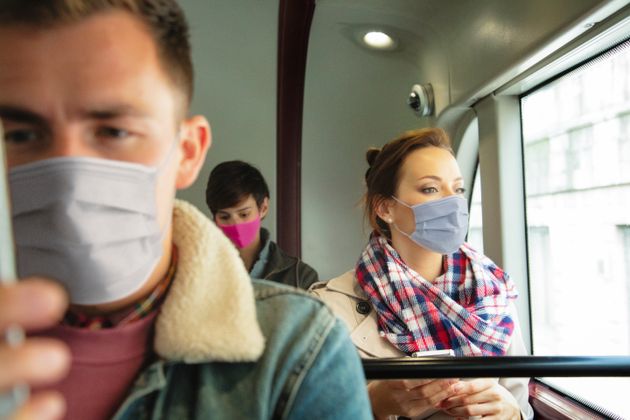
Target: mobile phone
(433, 353)
(8, 273)
(14, 335)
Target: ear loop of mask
(169, 220)
(170, 152)
(396, 226)
(158, 170)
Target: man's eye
(112, 133)
(21, 136)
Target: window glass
(576, 138)
(475, 224)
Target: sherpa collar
(210, 312)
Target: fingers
(469, 393)
(487, 398)
(487, 409)
(436, 391)
(37, 361)
(393, 397)
(475, 386)
(428, 397)
(414, 383)
(42, 406)
(32, 303)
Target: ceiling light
(379, 40)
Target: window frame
(545, 397)
(500, 132)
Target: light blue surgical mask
(441, 225)
(89, 223)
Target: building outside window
(475, 223)
(576, 137)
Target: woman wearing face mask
(418, 286)
(238, 197)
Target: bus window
(475, 229)
(576, 140)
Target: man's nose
(70, 143)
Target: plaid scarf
(128, 315)
(465, 310)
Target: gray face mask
(441, 225)
(89, 223)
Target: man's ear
(384, 209)
(194, 145)
(264, 208)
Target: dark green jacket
(281, 267)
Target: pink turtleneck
(105, 364)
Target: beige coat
(349, 302)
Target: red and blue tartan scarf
(466, 309)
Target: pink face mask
(242, 234)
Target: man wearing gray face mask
(163, 320)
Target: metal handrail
(496, 367)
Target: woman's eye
(460, 190)
(243, 215)
(429, 190)
(113, 133)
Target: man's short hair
(164, 19)
(232, 181)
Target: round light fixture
(379, 40)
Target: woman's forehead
(430, 161)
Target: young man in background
(238, 198)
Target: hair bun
(371, 155)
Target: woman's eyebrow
(434, 177)
(437, 178)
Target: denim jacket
(231, 348)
